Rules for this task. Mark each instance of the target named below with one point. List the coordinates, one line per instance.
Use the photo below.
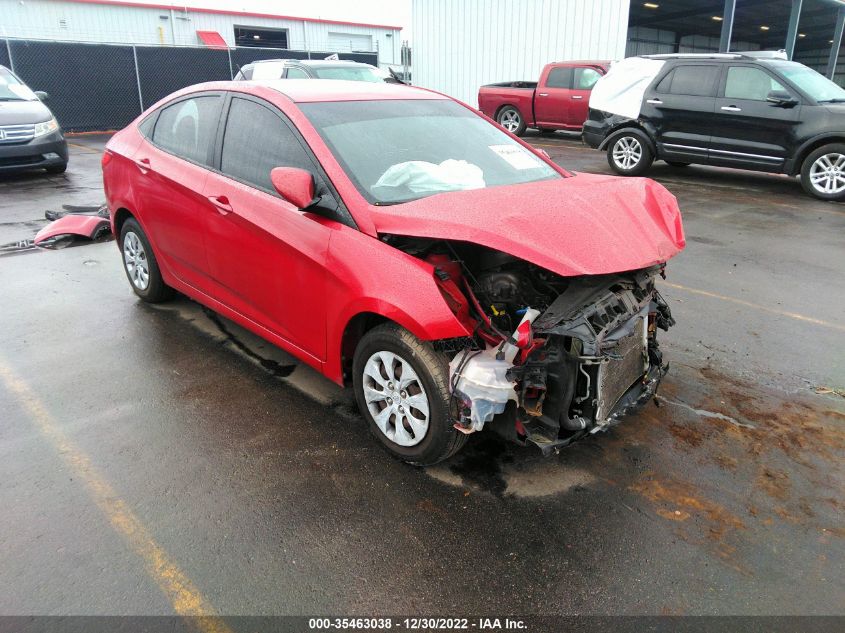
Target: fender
(793, 165)
(378, 279)
(629, 127)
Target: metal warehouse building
(192, 25)
(462, 44)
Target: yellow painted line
(183, 595)
(85, 148)
(757, 306)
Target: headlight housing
(46, 127)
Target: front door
(266, 256)
(749, 131)
(552, 97)
(583, 80)
(680, 106)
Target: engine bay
(551, 358)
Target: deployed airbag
(420, 176)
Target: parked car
(30, 136)
(397, 241)
(313, 69)
(753, 111)
(558, 102)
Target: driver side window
(296, 73)
(746, 82)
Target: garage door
(345, 42)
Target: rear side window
(256, 141)
(694, 81)
(586, 78)
(187, 128)
(296, 73)
(747, 82)
(559, 78)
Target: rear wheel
(823, 172)
(510, 119)
(140, 264)
(629, 155)
(402, 389)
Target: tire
(57, 169)
(138, 257)
(823, 172)
(511, 119)
(673, 163)
(629, 155)
(391, 346)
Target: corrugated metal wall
(56, 20)
(461, 44)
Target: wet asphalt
(258, 481)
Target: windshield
(400, 150)
(11, 88)
(817, 86)
(349, 73)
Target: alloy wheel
(396, 398)
(827, 174)
(135, 260)
(510, 120)
(627, 152)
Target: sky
(392, 12)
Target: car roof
(762, 56)
(312, 62)
(312, 90)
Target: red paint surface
(82, 225)
(298, 279)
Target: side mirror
(42, 96)
(294, 185)
(781, 98)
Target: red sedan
(401, 243)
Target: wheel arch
(120, 217)
(507, 105)
(629, 127)
(808, 148)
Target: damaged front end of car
(551, 358)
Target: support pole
(727, 26)
(138, 78)
(837, 43)
(792, 31)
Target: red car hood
(583, 225)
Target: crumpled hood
(584, 225)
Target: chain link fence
(96, 87)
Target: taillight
(107, 156)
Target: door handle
(143, 164)
(543, 94)
(222, 204)
(577, 96)
(655, 102)
(731, 109)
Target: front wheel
(629, 155)
(823, 172)
(402, 389)
(510, 119)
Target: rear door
(749, 131)
(552, 97)
(679, 105)
(266, 256)
(172, 170)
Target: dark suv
(743, 110)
